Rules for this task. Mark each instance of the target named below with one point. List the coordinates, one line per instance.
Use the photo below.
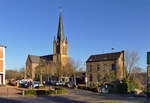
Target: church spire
(60, 34)
(66, 40)
(54, 39)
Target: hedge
(60, 90)
(93, 89)
(41, 87)
(29, 92)
(44, 92)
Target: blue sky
(92, 27)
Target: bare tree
(76, 66)
(107, 76)
(50, 70)
(139, 77)
(15, 74)
(131, 61)
(41, 69)
(11, 74)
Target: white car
(60, 83)
(35, 84)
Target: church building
(59, 56)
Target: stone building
(59, 56)
(2, 65)
(96, 64)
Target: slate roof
(36, 59)
(3, 46)
(104, 57)
(47, 57)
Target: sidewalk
(10, 91)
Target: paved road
(73, 96)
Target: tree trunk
(75, 79)
(41, 78)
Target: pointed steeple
(60, 34)
(54, 39)
(66, 40)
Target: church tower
(60, 45)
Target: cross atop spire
(60, 34)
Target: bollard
(56, 91)
(23, 92)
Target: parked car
(13, 82)
(53, 82)
(71, 85)
(60, 83)
(23, 84)
(36, 84)
(82, 86)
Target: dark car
(24, 84)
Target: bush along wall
(43, 92)
(29, 92)
(60, 90)
(124, 87)
(119, 88)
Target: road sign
(148, 76)
(148, 58)
(148, 79)
(148, 71)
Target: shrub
(93, 89)
(96, 84)
(29, 92)
(52, 92)
(60, 90)
(42, 92)
(131, 86)
(120, 88)
(41, 87)
(124, 87)
(36, 92)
